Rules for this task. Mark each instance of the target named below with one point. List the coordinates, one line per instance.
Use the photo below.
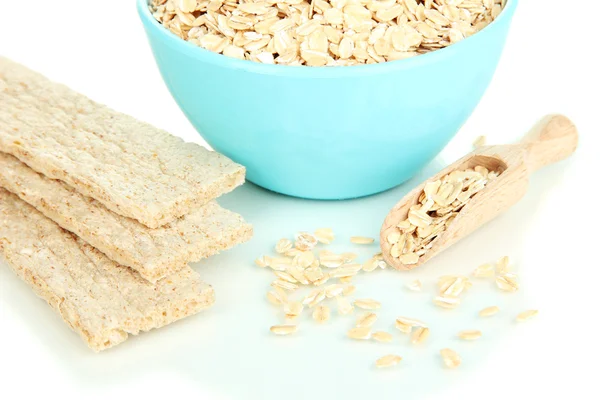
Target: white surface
(99, 49)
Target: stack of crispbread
(101, 213)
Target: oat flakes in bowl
(327, 132)
(325, 32)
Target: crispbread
(131, 167)
(154, 253)
(102, 301)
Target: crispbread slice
(131, 167)
(154, 253)
(99, 299)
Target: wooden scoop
(553, 139)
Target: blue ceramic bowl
(329, 132)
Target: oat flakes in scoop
(324, 32)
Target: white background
(549, 65)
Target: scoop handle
(552, 139)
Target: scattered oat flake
(345, 270)
(284, 284)
(304, 259)
(348, 290)
(402, 327)
(525, 315)
(471, 334)
(502, 266)
(319, 298)
(388, 361)
(334, 290)
(298, 274)
(280, 263)
(291, 318)
(283, 245)
(457, 287)
(419, 335)
(346, 279)
(370, 265)
(321, 314)
(444, 282)
(324, 235)
(293, 308)
(359, 333)
(405, 325)
(448, 302)
(293, 252)
(450, 358)
(274, 298)
(344, 305)
(304, 240)
(330, 260)
(262, 261)
(507, 282)
(484, 271)
(415, 286)
(284, 329)
(467, 284)
(361, 240)
(489, 311)
(313, 295)
(349, 257)
(313, 274)
(479, 141)
(285, 276)
(321, 281)
(383, 337)
(281, 293)
(366, 320)
(367, 304)
(411, 321)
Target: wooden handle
(552, 139)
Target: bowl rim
(300, 71)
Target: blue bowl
(329, 132)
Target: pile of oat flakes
(324, 32)
(327, 277)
